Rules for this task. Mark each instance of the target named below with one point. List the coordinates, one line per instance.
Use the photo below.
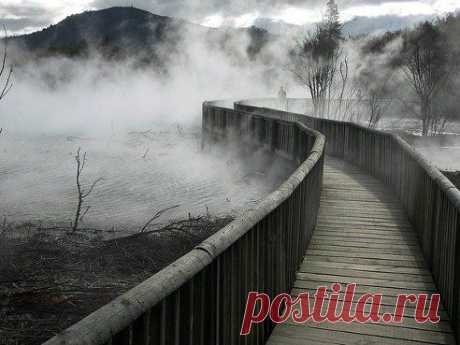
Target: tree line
(418, 68)
(6, 71)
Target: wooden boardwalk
(363, 236)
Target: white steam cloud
(141, 131)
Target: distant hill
(120, 32)
(355, 27)
(279, 27)
(115, 28)
(366, 25)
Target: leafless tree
(6, 71)
(344, 75)
(317, 62)
(424, 62)
(345, 98)
(82, 194)
(315, 72)
(374, 83)
(377, 107)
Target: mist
(140, 128)
(58, 95)
(140, 123)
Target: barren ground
(51, 279)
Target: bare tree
(345, 97)
(315, 70)
(316, 61)
(424, 62)
(6, 71)
(374, 83)
(377, 106)
(82, 194)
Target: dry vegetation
(52, 278)
(454, 177)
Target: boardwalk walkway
(363, 236)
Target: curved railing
(199, 299)
(432, 202)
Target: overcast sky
(30, 15)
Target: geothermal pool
(143, 172)
(442, 150)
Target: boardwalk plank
(336, 271)
(347, 279)
(366, 236)
(369, 254)
(407, 271)
(368, 242)
(298, 332)
(365, 261)
(389, 293)
(386, 307)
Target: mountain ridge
(126, 32)
(122, 32)
(359, 25)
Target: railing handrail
(115, 317)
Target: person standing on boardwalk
(282, 98)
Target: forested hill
(126, 31)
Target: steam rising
(59, 104)
(141, 129)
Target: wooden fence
(432, 202)
(199, 299)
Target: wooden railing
(199, 299)
(432, 202)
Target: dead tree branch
(156, 216)
(144, 156)
(6, 71)
(145, 134)
(82, 195)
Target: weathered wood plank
(338, 239)
(365, 237)
(386, 307)
(345, 227)
(348, 272)
(369, 254)
(366, 244)
(407, 271)
(363, 222)
(339, 259)
(378, 282)
(299, 333)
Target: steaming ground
(442, 150)
(60, 104)
(37, 178)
